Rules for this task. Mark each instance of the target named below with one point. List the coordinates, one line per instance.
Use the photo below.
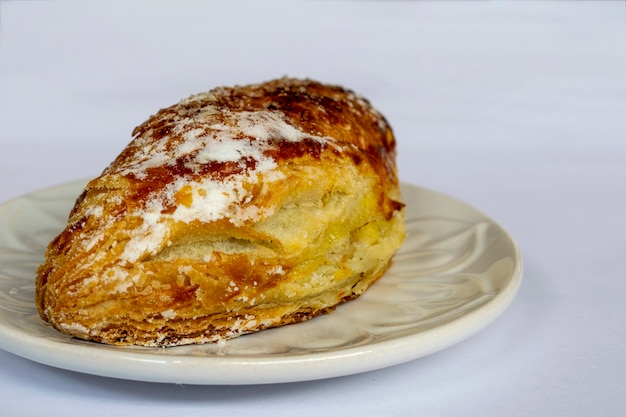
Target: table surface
(516, 108)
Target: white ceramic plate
(456, 272)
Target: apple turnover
(235, 210)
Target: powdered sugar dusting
(265, 125)
(241, 139)
(221, 150)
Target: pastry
(233, 211)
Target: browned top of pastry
(224, 141)
(262, 116)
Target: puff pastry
(235, 210)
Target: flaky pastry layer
(233, 211)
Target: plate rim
(225, 370)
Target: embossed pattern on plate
(456, 272)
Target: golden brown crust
(232, 211)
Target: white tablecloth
(517, 108)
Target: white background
(515, 107)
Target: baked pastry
(233, 211)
